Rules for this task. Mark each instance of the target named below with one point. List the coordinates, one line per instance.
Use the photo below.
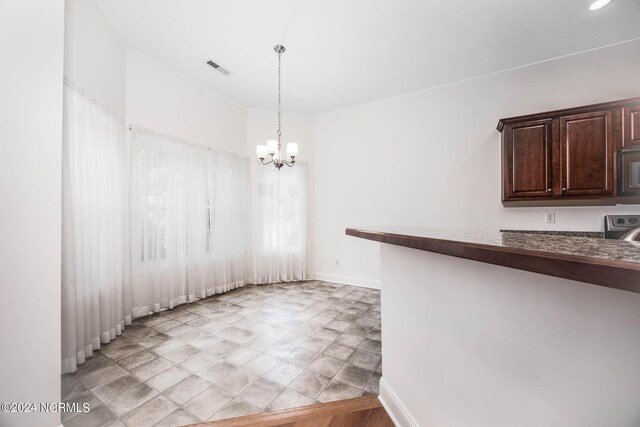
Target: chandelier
(273, 149)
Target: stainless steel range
(616, 226)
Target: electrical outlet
(337, 263)
(550, 217)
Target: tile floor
(251, 350)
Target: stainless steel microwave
(629, 172)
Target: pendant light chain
(271, 149)
(279, 101)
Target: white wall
(432, 158)
(94, 55)
(161, 99)
(300, 128)
(142, 90)
(31, 42)
(472, 344)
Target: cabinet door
(631, 126)
(527, 159)
(586, 154)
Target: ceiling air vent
(217, 67)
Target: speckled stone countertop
(611, 263)
(593, 234)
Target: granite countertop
(594, 234)
(612, 263)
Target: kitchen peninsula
(550, 340)
(610, 263)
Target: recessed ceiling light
(598, 4)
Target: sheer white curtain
(188, 221)
(279, 225)
(96, 291)
(151, 221)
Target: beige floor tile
(236, 408)
(168, 378)
(289, 399)
(261, 392)
(129, 400)
(148, 414)
(187, 389)
(207, 403)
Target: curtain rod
(91, 98)
(134, 128)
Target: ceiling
(347, 52)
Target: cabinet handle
(548, 190)
(564, 188)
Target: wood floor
(359, 412)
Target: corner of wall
(394, 407)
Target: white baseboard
(396, 410)
(348, 280)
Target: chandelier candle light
(273, 147)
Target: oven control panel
(617, 225)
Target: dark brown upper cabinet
(631, 126)
(528, 159)
(586, 154)
(567, 155)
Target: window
(154, 200)
(188, 203)
(282, 208)
(209, 210)
(281, 224)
